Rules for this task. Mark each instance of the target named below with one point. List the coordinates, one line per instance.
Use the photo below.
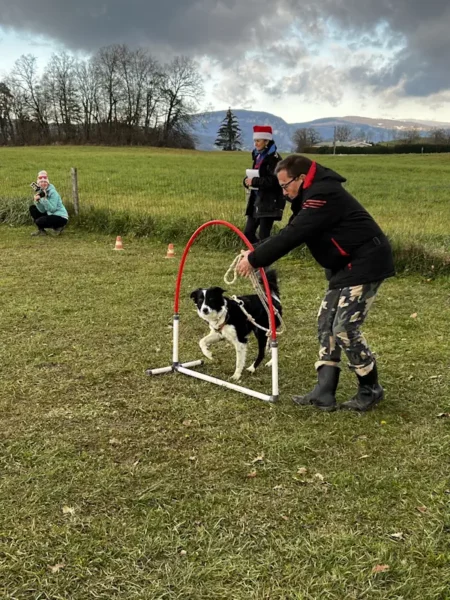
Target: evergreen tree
(229, 134)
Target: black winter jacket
(268, 199)
(340, 234)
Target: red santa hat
(262, 132)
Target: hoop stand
(184, 367)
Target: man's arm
(316, 215)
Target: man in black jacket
(345, 240)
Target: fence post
(75, 199)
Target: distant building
(351, 144)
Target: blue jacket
(52, 203)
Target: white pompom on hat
(262, 132)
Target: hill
(373, 130)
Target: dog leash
(230, 278)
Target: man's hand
(244, 268)
(248, 181)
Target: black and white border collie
(227, 321)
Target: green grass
(138, 487)
(166, 194)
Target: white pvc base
(183, 368)
(162, 370)
(227, 384)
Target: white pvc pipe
(162, 370)
(275, 389)
(176, 337)
(231, 386)
(159, 371)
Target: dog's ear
(194, 294)
(218, 290)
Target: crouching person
(48, 211)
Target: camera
(37, 189)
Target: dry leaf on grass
(422, 509)
(115, 442)
(56, 568)
(414, 316)
(302, 471)
(397, 536)
(187, 422)
(68, 510)
(380, 569)
(443, 415)
(251, 475)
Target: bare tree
(25, 77)
(305, 138)
(411, 136)
(107, 68)
(6, 126)
(60, 81)
(181, 90)
(440, 135)
(88, 90)
(343, 133)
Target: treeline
(405, 141)
(380, 149)
(117, 97)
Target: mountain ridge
(207, 124)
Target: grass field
(119, 486)
(167, 193)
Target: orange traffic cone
(170, 252)
(119, 245)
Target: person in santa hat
(48, 210)
(266, 200)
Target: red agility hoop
(183, 367)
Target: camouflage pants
(340, 317)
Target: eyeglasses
(284, 186)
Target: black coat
(268, 199)
(341, 235)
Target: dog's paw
(236, 376)
(268, 363)
(251, 368)
(206, 352)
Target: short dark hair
(295, 165)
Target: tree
(343, 133)
(25, 77)
(229, 134)
(440, 136)
(88, 90)
(411, 136)
(61, 85)
(181, 89)
(305, 138)
(6, 128)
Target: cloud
(402, 46)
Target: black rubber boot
(369, 393)
(323, 395)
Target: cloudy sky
(298, 59)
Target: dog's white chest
(229, 333)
